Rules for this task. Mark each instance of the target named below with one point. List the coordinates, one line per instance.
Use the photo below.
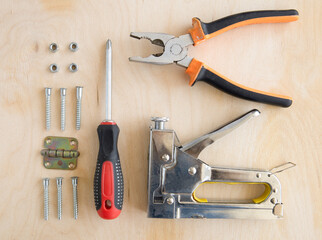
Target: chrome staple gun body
(175, 172)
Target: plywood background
(280, 58)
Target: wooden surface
(280, 58)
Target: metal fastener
(73, 67)
(170, 200)
(62, 108)
(192, 171)
(48, 107)
(165, 157)
(73, 46)
(159, 122)
(79, 93)
(59, 182)
(53, 47)
(45, 182)
(75, 197)
(53, 68)
(274, 200)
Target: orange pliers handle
(203, 31)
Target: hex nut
(73, 46)
(73, 67)
(53, 47)
(53, 68)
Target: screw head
(192, 171)
(79, 92)
(63, 91)
(59, 181)
(165, 157)
(45, 182)
(47, 164)
(48, 91)
(74, 181)
(258, 175)
(71, 165)
(274, 200)
(170, 200)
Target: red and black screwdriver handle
(200, 72)
(108, 179)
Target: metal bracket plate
(60, 153)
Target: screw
(274, 200)
(47, 164)
(45, 182)
(165, 157)
(258, 175)
(192, 171)
(59, 182)
(79, 92)
(48, 111)
(75, 201)
(71, 165)
(170, 200)
(62, 108)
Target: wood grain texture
(280, 58)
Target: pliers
(175, 50)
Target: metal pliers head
(175, 49)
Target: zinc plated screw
(45, 182)
(63, 108)
(59, 182)
(79, 93)
(48, 110)
(75, 197)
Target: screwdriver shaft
(108, 97)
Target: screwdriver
(108, 179)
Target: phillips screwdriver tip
(109, 44)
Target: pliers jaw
(175, 49)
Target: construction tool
(175, 172)
(108, 179)
(175, 50)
